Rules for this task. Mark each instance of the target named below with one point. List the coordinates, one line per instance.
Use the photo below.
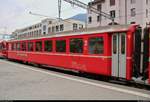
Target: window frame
(45, 46)
(112, 2)
(28, 46)
(75, 26)
(88, 47)
(133, 12)
(60, 39)
(14, 46)
(113, 13)
(132, 1)
(36, 41)
(89, 19)
(18, 48)
(22, 45)
(70, 43)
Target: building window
(48, 46)
(57, 28)
(98, 18)
(40, 32)
(44, 33)
(61, 46)
(34, 33)
(53, 29)
(80, 26)
(112, 2)
(30, 46)
(37, 32)
(99, 7)
(133, 12)
(146, 13)
(113, 13)
(90, 19)
(39, 46)
(96, 45)
(76, 45)
(75, 26)
(61, 27)
(44, 28)
(146, 1)
(49, 29)
(133, 1)
(50, 22)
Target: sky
(14, 14)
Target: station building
(48, 26)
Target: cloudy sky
(14, 14)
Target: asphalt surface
(23, 82)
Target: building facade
(123, 11)
(48, 26)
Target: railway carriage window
(114, 44)
(1, 47)
(96, 45)
(14, 47)
(61, 46)
(76, 45)
(48, 46)
(123, 50)
(24, 46)
(18, 47)
(30, 46)
(39, 46)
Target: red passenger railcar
(105, 51)
(3, 49)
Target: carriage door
(119, 55)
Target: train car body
(104, 51)
(3, 49)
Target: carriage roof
(95, 30)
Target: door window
(115, 44)
(123, 50)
